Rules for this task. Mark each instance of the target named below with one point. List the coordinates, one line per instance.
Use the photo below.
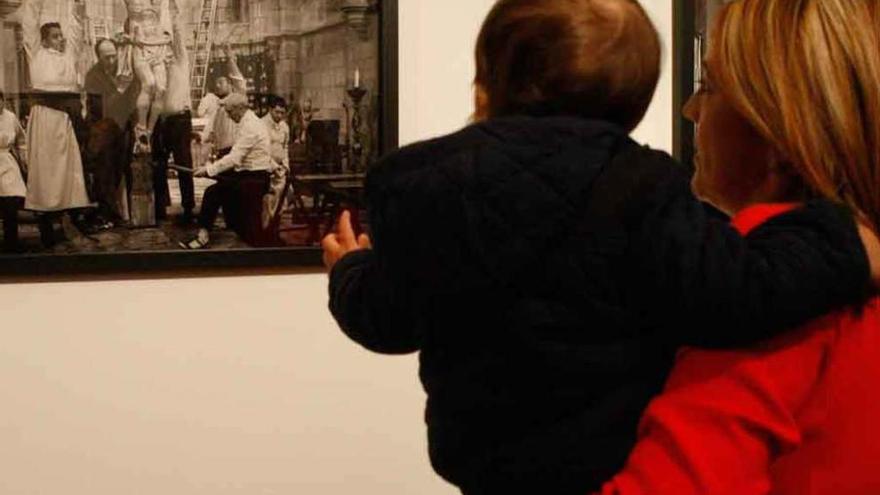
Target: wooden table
(331, 193)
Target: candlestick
(356, 158)
(357, 77)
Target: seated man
(242, 175)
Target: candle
(357, 78)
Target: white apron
(55, 171)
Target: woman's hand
(343, 241)
(872, 246)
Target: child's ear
(481, 103)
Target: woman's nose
(691, 109)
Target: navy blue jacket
(547, 269)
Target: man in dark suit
(111, 111)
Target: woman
(546, 266)
(796, 415)
(12, 188)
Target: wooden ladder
(202, 45)
(99, 28)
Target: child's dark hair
(596, 59)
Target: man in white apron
(12, 189)
(56, 182)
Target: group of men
(78, 166)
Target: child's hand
(336, 245)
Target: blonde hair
(806, 75)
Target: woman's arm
(723, 417)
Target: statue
(147, 54)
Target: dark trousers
(110, 153)
(240, 195)
(9, 206)
(172, 136)
(46, 223)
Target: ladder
(99, 28)
(202, 45)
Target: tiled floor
(162, 237)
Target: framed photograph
(156, 135)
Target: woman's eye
(703, 86)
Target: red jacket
(796, 415)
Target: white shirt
(10, 129)
(11, 182)
(208, 106)
(279, 133)
(220, 126)
(52, 70)
(251, 151)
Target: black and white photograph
(234, 129)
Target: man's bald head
(592, 58)
(236, 105)
(105, 51)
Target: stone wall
(316, 52)
(9, 56)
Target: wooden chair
(322, 147)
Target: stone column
(8, 6)
(286, 66)
(9, 68)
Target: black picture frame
(133, 264)
(683, 77)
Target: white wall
(656, 128)
(232, 385)
(437, 58)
